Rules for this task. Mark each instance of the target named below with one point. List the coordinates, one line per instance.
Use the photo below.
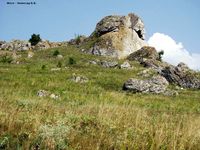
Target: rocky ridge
(21, 45)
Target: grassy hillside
(93, 115)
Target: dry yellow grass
(96, 115)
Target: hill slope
(95, 114)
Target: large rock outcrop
(118, 36)
(180, 75)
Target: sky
(61, 20)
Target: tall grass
(96, 115)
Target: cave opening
(139, 33)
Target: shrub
(43, 67)
(35, 38)
(56, 53)
(161, 53)
(6, 59)
(59, 65)
(28, 68)
(71, 61)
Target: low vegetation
(93, 115)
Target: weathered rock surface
(157, 84)
(182, 76)
(16, 45)
(149, 58)
(145, 52)
(2, 42)
(19, 45)
(125, 65)
(109, 64)
(118, 36)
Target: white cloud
(174, 52)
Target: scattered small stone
(93, 62)
(30, 54)
(60, 56)
(53, 96)
(79, 79)
(55, 69)
(42, 93)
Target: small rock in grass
(60, 56)
(42, 93)
(93, 62)
(53, 96)
(109, 64)
(125, 65)
(55, 69)
(30, 54)
(79, 79)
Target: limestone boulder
(182, 76)
(157, 84)
(118, 36)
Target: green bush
(43, 67)
(56, 53)
(35, 38)
(161, 53)
(71, 61)
(59, 65)
(6, 59)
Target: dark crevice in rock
(140, 35)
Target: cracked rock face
(156, 85)
(118, 36)
(182, 76)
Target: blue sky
(59, 20)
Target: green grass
(92, 115)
